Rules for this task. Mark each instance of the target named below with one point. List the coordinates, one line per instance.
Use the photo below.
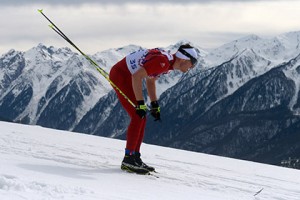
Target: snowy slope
(39, 163)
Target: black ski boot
(129, 164)
(139, 161)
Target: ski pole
(94, 64)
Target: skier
(128, 75)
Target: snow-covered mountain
(39, 163)
(45, 79)
(278, 49)
(43, 83)
(246, 107)
(240, 101)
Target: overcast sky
(96, 25)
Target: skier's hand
(141, 109)
(155, 110)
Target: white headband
(190, 51)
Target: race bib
(135, 60)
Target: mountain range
(241, 101)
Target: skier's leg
(141, 135)
(122, 78)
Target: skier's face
(183, 65)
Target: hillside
(39, 163)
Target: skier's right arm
(137, 83)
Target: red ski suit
(155, 62)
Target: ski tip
(40, 10)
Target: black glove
(155, 110)
(141, 109)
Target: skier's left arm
(155, 66)
(151, 88)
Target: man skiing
(128, 75)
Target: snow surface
(39, 163)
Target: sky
(97, 25)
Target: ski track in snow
(39, 163)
